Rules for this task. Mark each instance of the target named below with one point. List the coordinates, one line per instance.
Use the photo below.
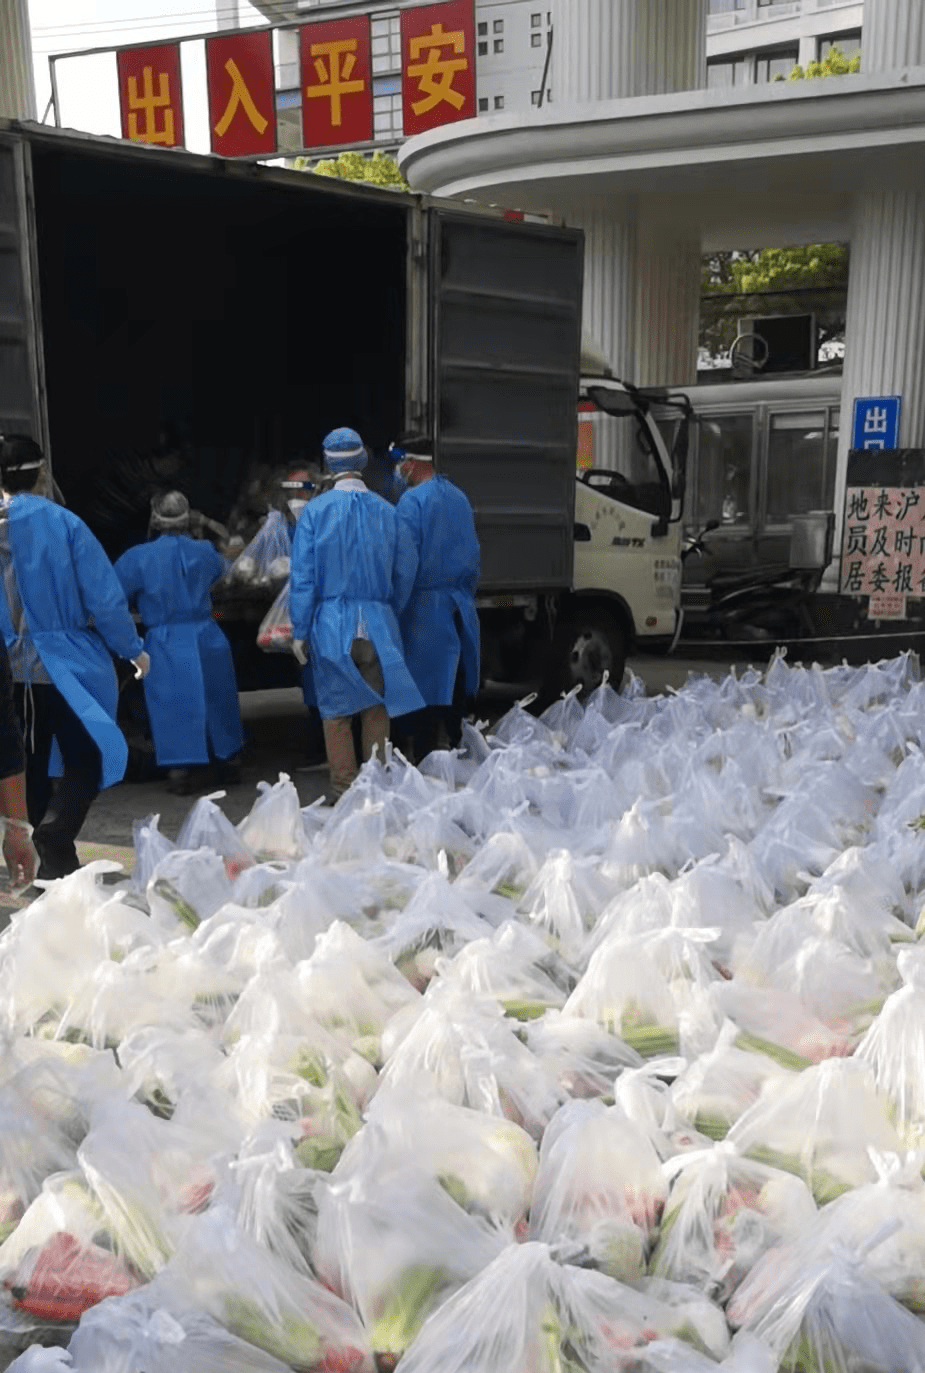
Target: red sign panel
(242, 98)
(337, 94)
(150, 96)
(437, 65)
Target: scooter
(752, 604)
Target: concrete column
(228, 14)
(667, 306)
(885, 324)
(894, 35)
(615, 49)
(17, 85)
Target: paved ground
(275, 727)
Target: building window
(483, 104)
(723, 72)
(483, 50)
(536, 40)
(499, 45)
(769, 65)
(726, 6)
(483, 30)
(534, 97)
(386, 45)
(387, 117)
(499, 102)
(498, 26)
(849, 44)
(536, 21)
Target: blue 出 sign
(876, 422)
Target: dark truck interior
(188, 309)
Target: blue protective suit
(191, 692)
(440, 623)
(65, 580)
(352, 563)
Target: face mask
(297, 507)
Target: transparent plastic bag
(563, 902)
(820, 1126)
(625, 992)
(436, 921)
(352, 987)
(253, 1294)
(894, 1050)
(275, 632)
(274, 828)
(265, 562)
(776, 1022)
(186, 888)
(277, 1201)
(600, 1189)
(816, 1308)
(722, 1214)
(717, 1088)
(582, 1057)
(134, 1332)
(150, 847)
(207, 827)
(514, 967)
(394, 1243)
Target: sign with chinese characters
(242, 96)
(438, 65)
(876, 423)
(337, 94)
(883, 540)
(150, 96)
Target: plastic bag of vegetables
(275, 632)
(819, 1311)
(714, 1090)
(722, 1214)
(264, 563)
(125, 1334)
(207, 827)
(820, 1125)
(227, 1275)
(894, 1050)
(624, 990)
(599, 1189)
(583, 1058)
(274, 828)
(515, 967)
(393, 1242)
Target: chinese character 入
(240, 98)
(334, 78)
(435, 75)
(875, 420)
(148, 103)
(858, 509)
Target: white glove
(142, 665)
(300, 651)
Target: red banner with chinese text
(242, 96)
(437, 65)
(337, 94)
(150, 95)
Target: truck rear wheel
(584, 647)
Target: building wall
(748, 41)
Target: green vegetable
(181, 908)
(320, 1154)
(407, 1309)
(287, 1337)
(785, 1057)
(714, 1127)
(524, 1010)
(649, 1041)
(824, 1186)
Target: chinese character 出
(858, 509)
(435, 75)
(875, 420)
(857, 539)
(148, 103)
(911, 498)
(903, 579)
(334, 78)
(879, 578)
(882, 505)
(855, 579)
(905, 540)
(240, 97)
(879, 543)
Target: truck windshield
(617, 454)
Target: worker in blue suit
(190, 692)
(440, 623)
(352, 572)
(62, 614)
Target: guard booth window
(723, 475)
(801, 464)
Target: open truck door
(22, 385)
(506, 355)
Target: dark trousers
(57, 811)
(419, 733)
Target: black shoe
(180, 782)
(229, 771)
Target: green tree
(378, 170)
(834, 63)
(774, 281)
